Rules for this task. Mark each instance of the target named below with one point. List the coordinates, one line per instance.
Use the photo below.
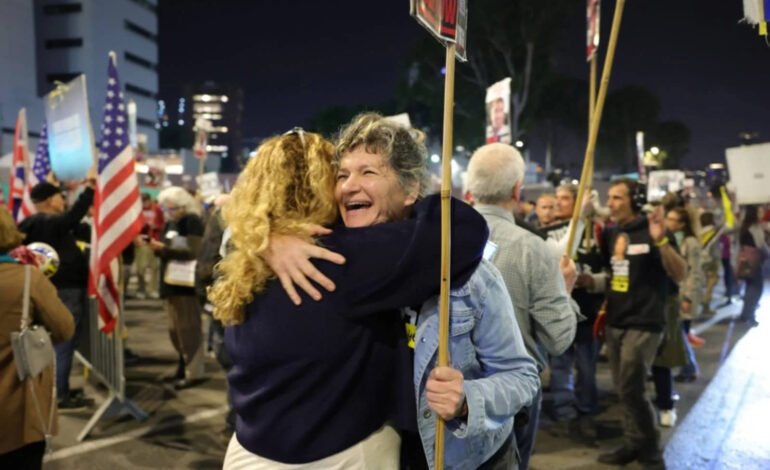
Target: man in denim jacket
(491, 377)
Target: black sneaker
(620, 456)
(75, 402)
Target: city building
(45, 41)
(222, 105)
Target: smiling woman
(382, 171)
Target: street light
(519, 144)
(655, 150)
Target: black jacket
(58, 230)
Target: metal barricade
(105, 362)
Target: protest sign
(70, 137)
(498, 105)
(749, 168)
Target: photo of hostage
(346, 377)
(498, 126)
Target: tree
(673, 138)
(626, 111)
(506, 38)
(562, 105)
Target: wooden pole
(596, 120)
(446, 242)
(592, 109)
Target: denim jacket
(500, 377)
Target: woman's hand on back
(289, 258)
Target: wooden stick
(596, 121)
(446, 242)
(592, 110)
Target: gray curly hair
(403, 148)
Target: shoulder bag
(33, 352)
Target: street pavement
(720, 415)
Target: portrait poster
(498, 106)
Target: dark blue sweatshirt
(313, 380)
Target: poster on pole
(498, 106)
(640, 156)
(401, 119)
(593, 10)
(447, 21)
(749, 168)
(664, 181)
(70, 137)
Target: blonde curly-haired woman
(323, 384)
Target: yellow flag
(727, 206)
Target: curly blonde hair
(288, 183)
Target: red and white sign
(592, 31)
(447, 20)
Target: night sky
(296, 58)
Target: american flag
(40, 170)
(19, 165)
(117, 207)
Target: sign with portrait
(498, 106)
(447, 21)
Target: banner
(70, 138)
(662, 182)
(401, 119)
(749, 168)
(640, 155)
(447, 21)
(757, 12)
(498, 105)
(593, 12)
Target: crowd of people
(320, 274)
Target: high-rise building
(222, 105)
(17, 70)
(45, 41)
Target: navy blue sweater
(313, 380)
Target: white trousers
(379, 451)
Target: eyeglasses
(300, 132)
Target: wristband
(663, 242)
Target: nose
(350, 184)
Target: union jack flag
(19, 165)
(40, 170)
(117, 206)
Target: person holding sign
(323, 382)
(640, 260)
(492, 376)
(55, 225)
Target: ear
(411, 196)
(517, 191)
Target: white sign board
(662, 182)
(749, 168)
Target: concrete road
(722, 416)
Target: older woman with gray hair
(180, 245)
(381, 176)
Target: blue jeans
(690, 369)
(76, 302)
(581, 396)
(525, 433)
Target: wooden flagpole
(596, 120)
(592, 109)
(446, 242)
